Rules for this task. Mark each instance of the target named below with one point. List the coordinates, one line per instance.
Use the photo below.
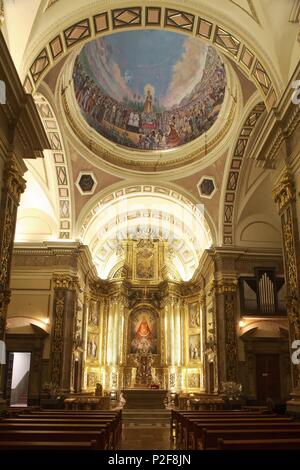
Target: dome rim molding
(150, 162)
(41, 59)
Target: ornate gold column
(211, 345)
(203, 333)
(64, 311)
(227, 331)
(86, 301)
(284, 195)
(13, 186)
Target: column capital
(65, 281)
(13, 181)
(226, 285)
(284, 191)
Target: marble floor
(139, 438)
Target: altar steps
(146, 418)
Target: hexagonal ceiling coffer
(207, 187)
(86, 183)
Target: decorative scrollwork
(57, 338)
(230, 338)
(284, 192)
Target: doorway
(18, 368)
(267, 377)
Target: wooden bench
(259, 444)
(36, 445)
(184, 422)
(197, 434)
(117, 415)
(178, 417)
(210, 437)
(194, 427)
(114, 417)
(109, 426)
(54, 436)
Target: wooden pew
(116, 417)
(190, 426)
(181, 415)
(184, 422)
(92, 414)
(178, 417)
(259, 444)
(108, 425)
(210, 438)
(54, 436)
(197, 434)
(36, 445)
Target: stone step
(139, 412)
(146, 417)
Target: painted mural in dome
(149, 90)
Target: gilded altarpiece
(141, 327)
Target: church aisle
(157, 438)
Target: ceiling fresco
(149, 89)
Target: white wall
(20, 367)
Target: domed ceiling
(149, 90)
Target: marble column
(64, 311)
(284, 195)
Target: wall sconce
(47, 321)
(242, 323)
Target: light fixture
(242, 323)
(47, 321)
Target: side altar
(144, 398)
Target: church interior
(149, 224)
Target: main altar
(145, 328)
(143, 398)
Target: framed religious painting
(92, 347)
(93, 317)
(194, 348)
(193, 380)
(194, 315)
(143, 331)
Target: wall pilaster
(284, 195)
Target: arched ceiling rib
(146, 212)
